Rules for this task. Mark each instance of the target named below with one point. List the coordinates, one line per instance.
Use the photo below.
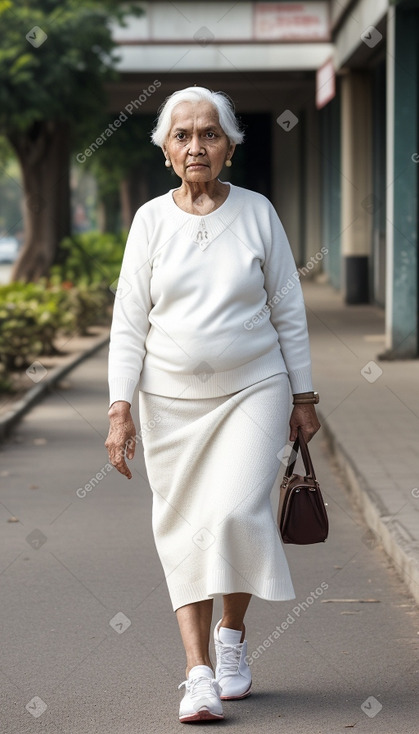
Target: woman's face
(197, 146)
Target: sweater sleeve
(286, 306)
(130, 323)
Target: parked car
(9, 249)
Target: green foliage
(89, 305)
(62, 78)
(30, 316)
(125, 151)
(6, 151)
(75, 296)
(55, 58)
(90, 257)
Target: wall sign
(291, 21)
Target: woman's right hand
(121, 437)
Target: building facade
(328, 93)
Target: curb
(396, 547)
(39, 391)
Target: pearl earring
(228, 163)
(167, 163)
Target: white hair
(220, 100)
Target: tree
(123, 168)
(54, 62)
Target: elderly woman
(209, 319)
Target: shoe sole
(237, 698)
(203, 715)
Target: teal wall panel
(331, 189)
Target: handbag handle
(300, 443)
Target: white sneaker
(232, 672)
(201, 701)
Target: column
(356, 167)
(286, 180)
(402, 183)
(331, 188)
(312, 190)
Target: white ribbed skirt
(211, 464)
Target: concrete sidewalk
(91, 645)
(370, 410)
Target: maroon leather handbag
(302, 516)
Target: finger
(123, 469)
(130, 448)
(117, 460)
(293, 424)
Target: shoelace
(207, 686)
(229, 657)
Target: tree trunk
(134, 193)
(43, 153)
(109, 212)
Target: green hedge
(90, 258)
(30, 316)
(74, 297)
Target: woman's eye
(180, 136)
(210, 134)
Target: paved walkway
(371, 410)
(90, 644)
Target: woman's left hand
(304, 417)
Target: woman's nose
(195, 146)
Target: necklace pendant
(202, 237)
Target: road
(90, 644)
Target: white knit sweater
(207, 305)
